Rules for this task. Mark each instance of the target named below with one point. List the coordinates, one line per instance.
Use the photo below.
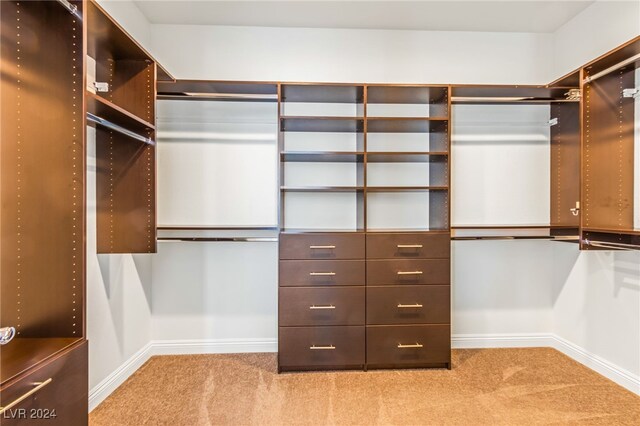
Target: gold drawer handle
(39, 385)
(415, 305)
(322, 307)
(414, 345)
(322, 247)
(409, 272)
(322, 348)
(322, 274)
(401, 246)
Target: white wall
(601, 27)
(118, 294)
(302, 54)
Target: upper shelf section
(106, 35)
(489, 94)
(626, 55)
(323, 93)
(410, 94)
(233, 91)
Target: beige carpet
(487, 386)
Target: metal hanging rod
(506, 99)
(519, 237)
(222, 239)
(612, 68)
(72, 8)
(106, 123)
(221, 96)
(618, 246)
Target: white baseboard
(110, 383)
(527, 340)
(214, 346)
(624, 378)
(618, 375)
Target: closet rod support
(72, 8)
(612, 68)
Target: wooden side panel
(125, 194)
(565, 164)
(608, 152)
(42, 178)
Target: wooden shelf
(322, 157)
(613, 231)
(108, 110)
(406, 94)
(23, 353)
(627, 50)
(324, 93)
(512, 233)
(406, 157)
(406, 124)
(409, 230)
(497, 94)
(232, 91)
(322, 188)
(406, 188)
(322, 124)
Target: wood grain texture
(302, 273)
(313, 306)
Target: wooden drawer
(408, 345)
(328, 347)
(321, 306)
(304, 273)
(66, 395)
(409, 305)
(413, 271)
(408, 246)
(322, 246)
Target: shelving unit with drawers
(364, 276)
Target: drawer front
(321, 306)
(322, 246)
(414, 271)
(336, 347)
(408, 246)
(303, 273)
(408, 345)
(409, 305)
(65, 396)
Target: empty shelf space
(322, 124)
(23, 353)
(322, 93)
(406, 124)
(106, 109)
(406, 94)
(319, 230)
(482, 95)
(322, 157)
(405, 188)
(322, 188)
(218, 90)
(613, 231)
(406, 157)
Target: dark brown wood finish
(428, 304)
(302, 273)
(565, 165)
(42, 171)
(335, 347)
(66, 395)
(408, 346)
(608, 149)
(408, 245)
(408, 272)
(328, 246)
(314, 306)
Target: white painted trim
(213, 346)
(526, 340)
(624, 378)
(110, 383)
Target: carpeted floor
(486, 386)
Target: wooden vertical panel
(42, 170)
(608, 152)
(565, 164)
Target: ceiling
(501, 16)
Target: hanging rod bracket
(553, 121)
(631, 93)
(72, 8)
(101, 86)
(573, 95)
